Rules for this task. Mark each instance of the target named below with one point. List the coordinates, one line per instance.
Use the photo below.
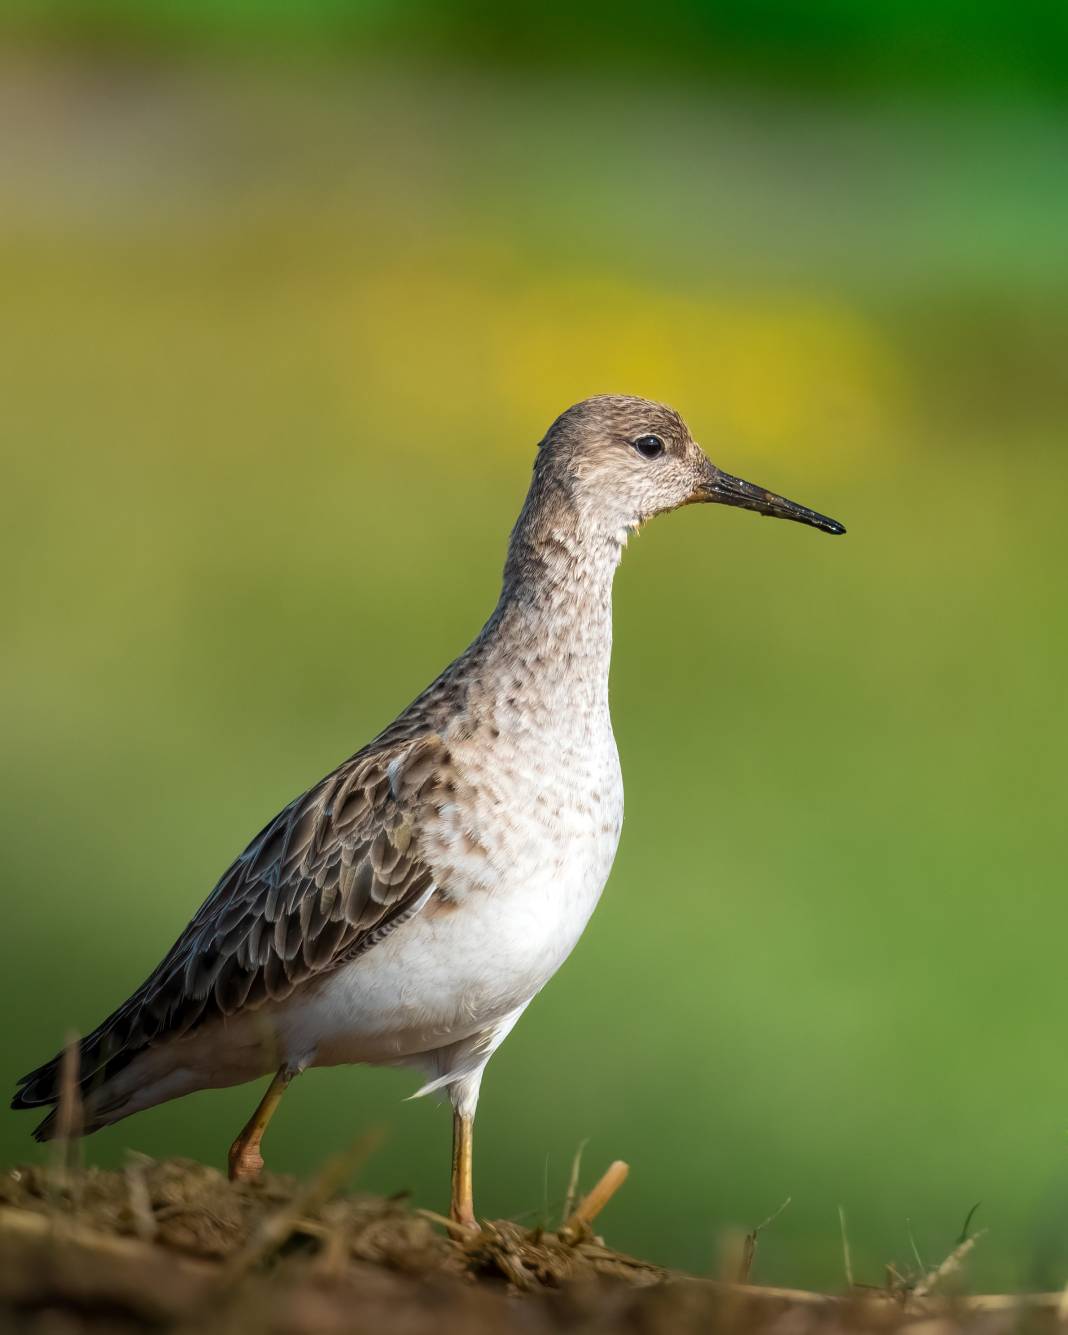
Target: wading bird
(406, 909)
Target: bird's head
(621, 460)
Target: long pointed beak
(722, 489)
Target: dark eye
(649, 446)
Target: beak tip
(728, 490)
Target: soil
(174, 1247)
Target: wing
(327, 879)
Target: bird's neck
(552, 629)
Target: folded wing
(330, 877)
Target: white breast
(520, 854)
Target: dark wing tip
(37, 1088)
(46, 1129)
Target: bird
(407, 908)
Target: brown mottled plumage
(327, 879)
(408, 907)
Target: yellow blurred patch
(777, 372)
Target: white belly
(510, 910)
(442, 977)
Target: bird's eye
(649, 446)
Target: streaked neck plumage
(552, 627)
(542, 658)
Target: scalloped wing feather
(332, 875)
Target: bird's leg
(462, 1205)
(244, 1160)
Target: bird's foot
(245, 1162)
(465, 1220)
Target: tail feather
(111, 1047)
(106, 1093)
(101, 1056)
(40, 1086)
(95, 1116)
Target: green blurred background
(290, 293)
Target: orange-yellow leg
(245, 1160)
(462, 1205)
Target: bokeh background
(289, 294)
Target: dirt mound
(173, 1246)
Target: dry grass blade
(920, 1264)
(277, 1228)
(572, 1183)
(69, 1111)
(847, 1255)
(335, 1242)
(140, 1202)
(594, 1201)
(749, 1244)
(452, 1226)
(949, 1266)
